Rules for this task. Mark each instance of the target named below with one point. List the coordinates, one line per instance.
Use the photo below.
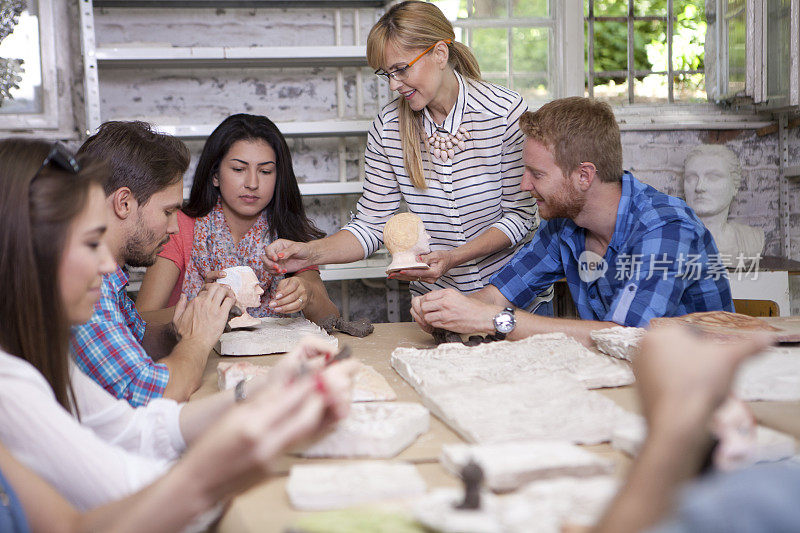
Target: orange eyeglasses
(400, 74)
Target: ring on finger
(299, 300)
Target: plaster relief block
(505, 361)
(628, 438)
(560, 502)
(619, 341)
(370, 386)
(380, 430)
(544, 407)
(438, 511)
(774, 375)
(272, 335)
(773, 445)
(509, 465)
(323, 487)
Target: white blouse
(465, 196)
(113, 451)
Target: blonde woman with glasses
(449, 145)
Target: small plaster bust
(248, 293)
(711, 179)
(405, 238)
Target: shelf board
(331, 187)
(223, 4)
(224, 56)
(319, 128)
(792, 172)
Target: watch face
(504, 322)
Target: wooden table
(266, 507)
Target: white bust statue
(711, 179)
(248, 293)
(405, 237)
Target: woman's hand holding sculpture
(291, 296)
(439, 263)
(204, 318)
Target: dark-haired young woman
(244, 196)
(57, 422)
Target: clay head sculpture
(248, 293)
(712, 176)
(405, 238)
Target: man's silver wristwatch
(504, 323)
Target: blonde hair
(416, 25)
(577, 130)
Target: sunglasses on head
(61, 157)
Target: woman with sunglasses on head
(449, 145)
(57, 422)
(244, 196)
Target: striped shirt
(477, 190)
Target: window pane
(688, 52)
(610, 52)
(530, 60)
(651, 8)
(530, 50)
(490, 9)
(452, 9)
(491, 48)
(608, 8)
(650, 54)
(21, 64)
(736, 18)
(533, 88)
(530, 8)
(778, 60)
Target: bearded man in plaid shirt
(116, 348)
(623, 246)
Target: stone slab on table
(549, 407)
(620, 341)
(336, 486)
(273, 335)
(509, 465)
(373, 429)
(500, 362)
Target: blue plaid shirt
(661, 261)
(108, 347)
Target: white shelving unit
(338, 55)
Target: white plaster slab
(370, 386)
(548, 407)
(273, 335)
(620, 342)
(773, 375)
(438, 512)
(374, 429)
(501, 362)
(541, 507)
(554, 503)
(322, 487)
(507, 466)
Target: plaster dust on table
(273, 335)
(509, 465)
(550, 407)
(501, 362)
(374, 429)
(336, 486)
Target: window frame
(49, 117)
